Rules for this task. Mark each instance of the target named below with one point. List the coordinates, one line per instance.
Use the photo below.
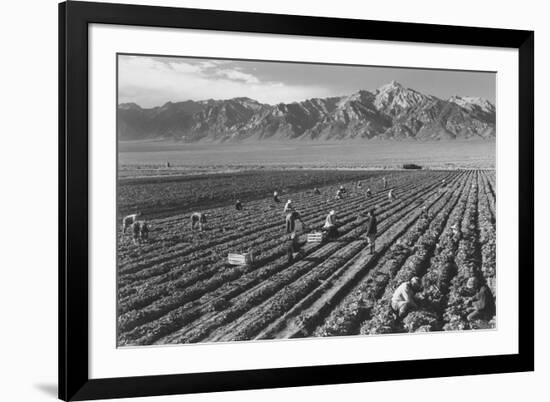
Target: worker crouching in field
(483, 301)
(198, 219)
(276, 197)
(368, 193)
(402, 300)
(290, 221)
(129, 220)
(316, 191)
(372, 230)
(330, 225)
(238, 205)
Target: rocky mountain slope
(391, 112)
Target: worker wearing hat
(403, 298)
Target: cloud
(238, 76)
(152, 82)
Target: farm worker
(238, 205)
(402, 300)
(342, 189)
(129, 220)
(384, 182)
(359, 184)
(276, 197)
(290, 221)
(143, 230)
(424, 213)
(483, 301)
(339, 194)
(368, 192)
(330, 225)
(292, 247)
(443, 183)
(198, 219)
(135, 231)
(371, 229)
(288, 206)
(317, 191)
(456, 232)
(391, 196)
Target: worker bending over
(238, 205)
(316, 191)
(290, 221)
(276, 197)
(330, 225)
(402, 300)
(368, 192)
(129, 220)
(198, 219)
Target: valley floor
(135, 157)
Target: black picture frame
(74, 18)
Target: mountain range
(392, 112)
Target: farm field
(166, 195)
(178, 288)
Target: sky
(153, 81)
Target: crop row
(220, 232)
(468, 261)
(250, 324)
(440, 273)
(356, 307)
(305, 316)
(197, 270)
(184, 313)
(264, 243)
(382, 319)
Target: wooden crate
(315, 237)
(240, 259)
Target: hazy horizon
(151, 81)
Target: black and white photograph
(261, 200)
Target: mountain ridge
(391, 112)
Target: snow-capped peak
(472, 102)
(394, 97)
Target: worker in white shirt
(330, 225)
(288, 207)
(402, 300)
